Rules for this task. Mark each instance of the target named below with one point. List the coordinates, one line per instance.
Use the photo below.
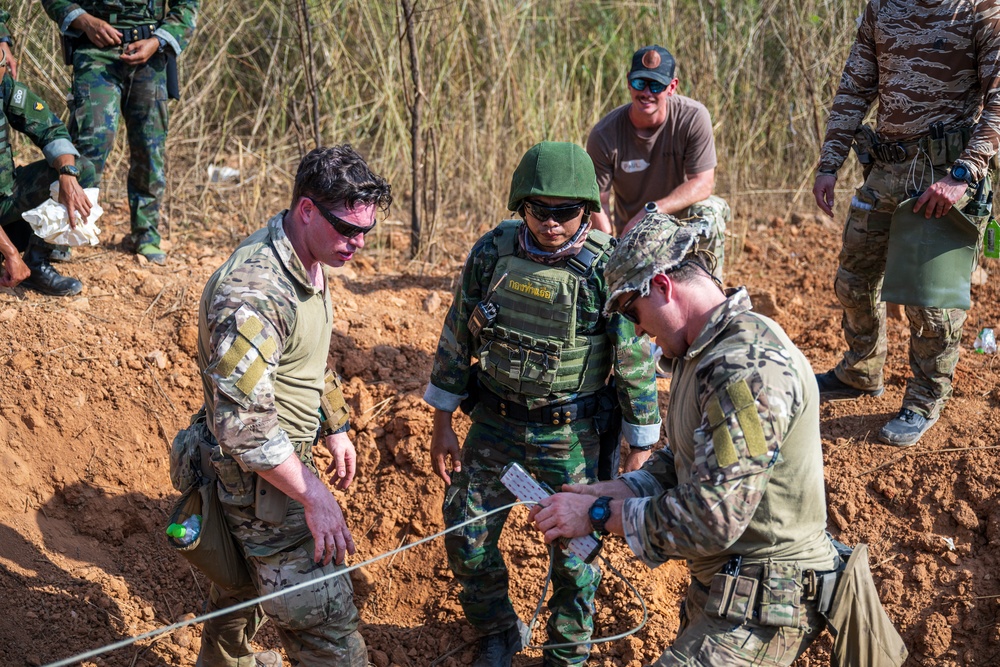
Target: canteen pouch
(214, 551)
(930, 261)
(781, 596)
(864, 636)
(236, 485)
(185, 453)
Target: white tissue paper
(50, 220)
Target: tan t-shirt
(643, 169)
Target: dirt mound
(97, 385)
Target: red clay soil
(97, 385)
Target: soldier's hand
(6, 53)
(137, 53)
(636, 458)
(823, 190)
(72, 196)
(329, 530)
(14, 270)
(345, 459)
(98, 31)
(444, 446)
(940, 197)
(563, 515)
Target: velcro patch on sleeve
(748, 417)
(243, 355)
(19, 97)
(722, 440)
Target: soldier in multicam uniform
(23, 188)
(264, 337)
(123, 54)
(658, 154)
(739, 490)
(935, 70)
(544, 363)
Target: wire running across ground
(128, 641)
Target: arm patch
(745, 408)
(243, 355)
(19, 97)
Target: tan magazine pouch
(864, 636)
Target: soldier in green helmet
(526, 336)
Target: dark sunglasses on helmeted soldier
(344, 228)
(560, 214)
(655, 87)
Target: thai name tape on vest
(528, 288)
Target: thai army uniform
(105, 89)
(544, 365)
(263, 340)
(4, 30)
(23, 188)
(935, 70)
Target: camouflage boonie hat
(657, 244)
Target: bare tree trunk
(305, 46)
(417, 152)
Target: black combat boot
(44, 278)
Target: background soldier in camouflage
(121, 53)
(739, 490)
(263, 340)
(5, 42)
(25, 187)
(659, 149)
(935, 70)
(546, 424)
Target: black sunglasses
(344, 228)
(640, 85)
(625, 309)
(560, 214)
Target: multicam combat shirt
(263, 339)
(926, 62)
(744, 471)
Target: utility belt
(941, 146)
(555, 415)
(131, 33)
(771, 594)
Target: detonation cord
(128, 641)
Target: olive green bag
(863, 634)
(214, 551)
(930, 261)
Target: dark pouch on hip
(864, 636)
(214, 551)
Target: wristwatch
(960, 172)
(599, 514)
(69, 170)
(651, 207)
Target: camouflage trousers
(317, 624)
(718, 214)
(935, 333)
(106, 90)
(31, 188)
(707, 641)
(554, 455)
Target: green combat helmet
(555, 169)
(657, 244)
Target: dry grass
(498, 76)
